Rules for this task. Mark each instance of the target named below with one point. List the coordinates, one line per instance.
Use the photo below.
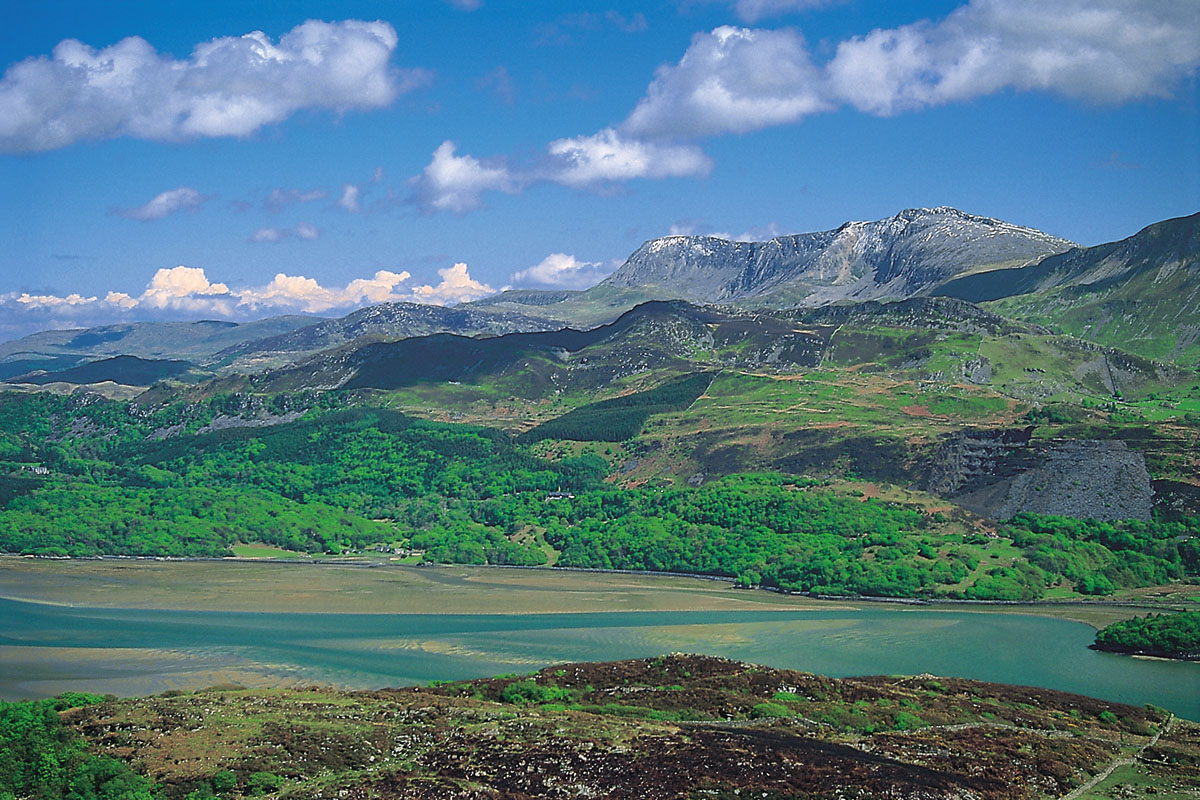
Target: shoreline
(144, 582)
(1147, 653)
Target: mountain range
(1140, 293)
(902, 256)
(859, 353)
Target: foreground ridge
(678, 726)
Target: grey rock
(1001, 473)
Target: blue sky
(239, 160)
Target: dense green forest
(622, 418)
(334, 478)
(1168, 634)
(41, 758)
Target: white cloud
(735, 80)
(120, 300)
(738, 80)
(187, 291)
(457, 286)
(454, 183)
(562, 271)
(731, 80)
(51, 301)
(279, 199)
(379, 289)
(349, 198)
(300, 293)
(271, 235)
(230, 86)
(607, 156)
(1102, 51)
(184, 198)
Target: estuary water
(46, 649)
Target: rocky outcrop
(1000, 473)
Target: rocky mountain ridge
(892, 258)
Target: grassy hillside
(1141, 294)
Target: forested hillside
(324, 479)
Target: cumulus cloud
(1102, 51)
(280, 199)
(735, 80)
(51, 301)
(187, 289)
(738, 80)
(301, 293)
(562, 271)
(457, 286)
(731, 80)
(271, 235)
(607, 156)
(230, 86)
(184, 198)
(455, 183)
(183, 291)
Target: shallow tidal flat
(305, 587)
(135, 628)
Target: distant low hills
(1141, 293)
(384, 321)
(653, 335)
(189, 341)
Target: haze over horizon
(219, 161)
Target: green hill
(1141, 294)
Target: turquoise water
(135, 648)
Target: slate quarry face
(1000, 473)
